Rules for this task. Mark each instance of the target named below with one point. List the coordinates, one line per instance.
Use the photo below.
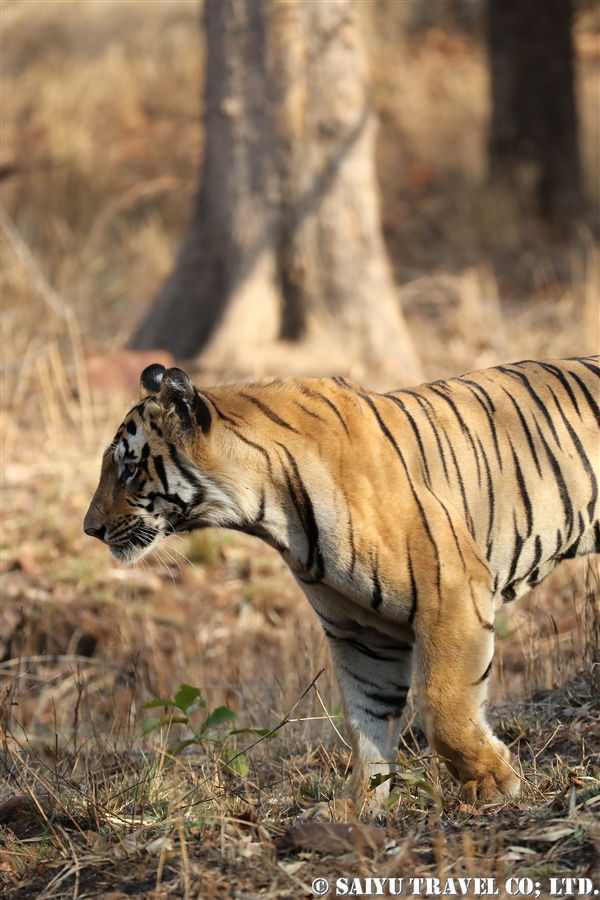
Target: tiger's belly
(345, 618)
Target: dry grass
(100, 149)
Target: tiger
(407, 518)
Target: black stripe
(509, 590)
(351, 533)
(394, 702)
(424, 403)
(589, 399)
(339, 379)
(452, 529)
(414, 596)
(490, 420)
(220, 414)
(269, 412)
(304, 580)
(308, 411)
(522, 490)
(488, 626)
(416, 433)
(392, 441)
(170, 498)
(304, 507)
(583, 457)
(254, 446)
(589, 365)
(460, 419)
(509, 593)
(160, 471)
(560, 481)
(560, 376)
(468, 517)
(540, 405)
(571, 551)
(364, 650)
(525, 428)
(537, 555)
(481, 390)
(486, 674)
(181, 465)
(131, 427)
(491, 500)
(377, 597)
(318, 395)
(261, 509)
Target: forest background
(101, 138)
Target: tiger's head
(163, 472)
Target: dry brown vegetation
(100, 148)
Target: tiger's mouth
(136, 544)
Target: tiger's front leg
(374, 674)
(454, 661)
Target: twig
(331, 722)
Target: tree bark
(284, 249)
(534, 115)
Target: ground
(101, 143)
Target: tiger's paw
(484, 767)
(491, 776)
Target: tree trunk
(284, 264)
(534, 116)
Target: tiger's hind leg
(374, 674)
(454, 661)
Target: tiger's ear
(177, 391)
(150, 380)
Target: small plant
(187, 701)
(413, 778)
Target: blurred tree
(285, 241)
(534, 115)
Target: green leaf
(153, 704)
(238, 764)
(189, 698)
(218, 716)
(428, 788)
(391, 802)
(262, 732)
(379, 778)
(410, 777)
(177, 748)
(151, 723)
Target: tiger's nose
(96, 532)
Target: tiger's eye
(130, 468)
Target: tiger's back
(407, 518)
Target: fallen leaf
(159, 844)
(290, 868)
(552, 834)
(333, 838)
